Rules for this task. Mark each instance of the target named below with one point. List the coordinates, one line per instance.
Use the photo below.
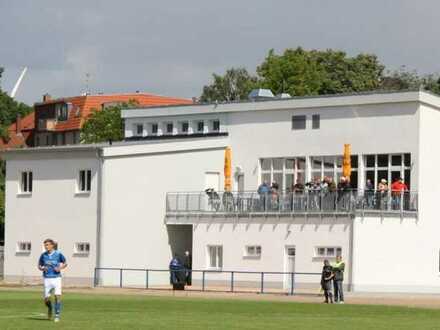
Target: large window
(389, 167)
(284, 171)
(299, 122)
(331, 166)
(26, 184)
(215, 256)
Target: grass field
(24, 310)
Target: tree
(402, 79)
(234, 85)
(300, 72)
(105, 125)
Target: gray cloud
(172, 47)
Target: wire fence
(210, 280)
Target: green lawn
(24, 310)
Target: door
(289, 256)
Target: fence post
(262, 283)
(203, 280)
(146, 278)
(292, 283)
(232, 281)
(94, 278)
(120, 277)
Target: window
(61, 112)
(26, 182)
(185, 127)
(316, 121)
(389, 167)
(139, 129)
(331, 166)
(216, 125)
(169, 128)
(215, 256)
(24, 247)
(82, 248)
(200, 126)
(253, 251)
(284, 171)
(154, 129)
(328, 251)
(84, 181)
(298, 122)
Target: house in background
(59, 121)
(20, 133)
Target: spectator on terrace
(344, 189)
(263, 191)
(398, 189)
(382, 194)
(369, 193)
(274, 194)
(298, 195)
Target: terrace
(308, 203)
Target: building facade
(148, 194)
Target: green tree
(105, 125)
(234, 85)
(301, 72)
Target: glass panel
(316, 163)
(369, 175)
(330, 251)
(382, 175)
(24, 181)
(89, 180)
(265, 177)
(82, 180)
(408, 160)
(321, 251)
(258, 250)
(200, 126)
(339, 251)
(396, 160)
(354, 161)
(301, 164)
(339, 160)
(395, 175)
(30, 181)
(291, 252)
(354, 180)
(382, 160)
(212, 256)
(329, 162)
(370, 160)
(290, 164)
(316, 121)
(278, 178)
(220, 256)
(298, 122)
(278, 164)
(408, 178)
(289, 181)
(265, 164)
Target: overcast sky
(172, 47)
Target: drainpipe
(351, 253)
(100, 158)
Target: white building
(117, 206)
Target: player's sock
(57, 308)
(48, 304)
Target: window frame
(296, 119)
(214, 123)
(136, 129)
(78, 251)
(202, 130)
(62, 111)
(87, 181)
(336, 248)
(19, 250)
(26, 185)
(168, 125)
(390, 168)
(258, 251)
(218, 257)
(316, 121)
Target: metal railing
(312, 201)
(230, 282)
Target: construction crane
(17, 84)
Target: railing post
(120, 277)
(146, 279)
(177, 203)
(187, 202)
(292, 283)
(232, 281)
(200, 202)
(94, 277)
(262, 283)
(203, 280)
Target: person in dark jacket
(326, 281)
(187, 263)
(338, 270)
(177, 273)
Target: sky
(172, 47)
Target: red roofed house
(20, 133)
(59, 121)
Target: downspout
(351, 253)
(99, 156)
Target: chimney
(47, 97)
(18, 124)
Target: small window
(253, 251)
(185, 127)
(82, 248)
(215, 256)
(316, 121)
(216, 125)
(85, 181)
(62, 112)
(291, 252)
(200, 126)
(154, 128)
(26, 184)
(139, 129)
(24, 247)
(170, 128)
(328, 252)
(298, 122)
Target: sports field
(23, 310)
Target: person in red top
(398, 189)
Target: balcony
(308, 203)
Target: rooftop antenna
(17, 84)
(87, 83)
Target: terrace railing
(311, 201)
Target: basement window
(84, 181)
(24, 247)
(328, 251)
(82, 248)
(253, 251)
(26, 184)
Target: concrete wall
(53, 210)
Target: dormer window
(62, 111)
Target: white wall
(54, 210)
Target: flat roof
(320, 101)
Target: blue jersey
(51, 261)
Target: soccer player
(51, 263)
